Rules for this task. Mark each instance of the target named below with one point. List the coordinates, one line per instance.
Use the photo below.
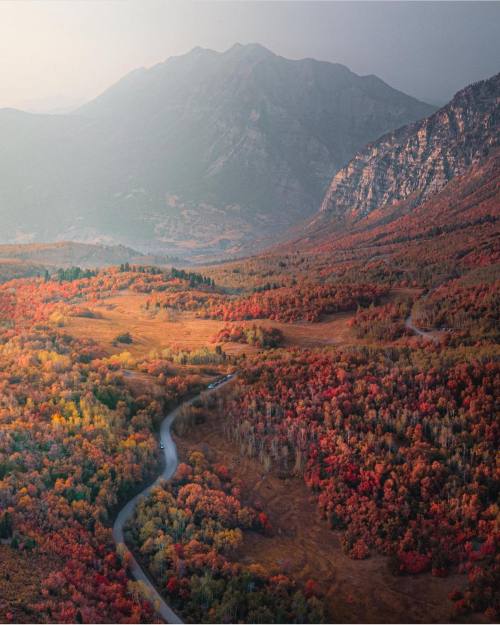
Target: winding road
(409, 323)
(171, 462)
(425, 334)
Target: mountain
(10, 268)
(70, 253)
(201, 153)
(410, 164)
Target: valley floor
(126, 313)
(355, 591)
(115, 359)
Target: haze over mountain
(203, 152)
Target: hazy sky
(56, 52)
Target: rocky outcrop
(418, 160)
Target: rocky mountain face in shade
(412, 163)
(202, 153)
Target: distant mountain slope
(69, 253)
(202, 152)
(11, 268)
(414, 162)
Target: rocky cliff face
(418, 160)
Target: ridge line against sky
(57, 54)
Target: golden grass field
(155, 331)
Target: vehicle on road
(162, 446)
(216, 383)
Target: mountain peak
(249, 48)
(237, 49)
(199, 50)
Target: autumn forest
(249, 323)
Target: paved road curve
(171, 462)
